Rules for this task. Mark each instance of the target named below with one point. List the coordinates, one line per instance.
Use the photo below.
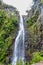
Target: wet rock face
(31, 48)
(27, 44)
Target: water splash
(19, 44)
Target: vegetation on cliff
(34, 28)
(8, 27)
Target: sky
(21, 5)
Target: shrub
(36, 57)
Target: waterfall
(41, 15)
(19, 44)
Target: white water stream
(19, 44)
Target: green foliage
(8, 26)
(37, 57)
(33, 27)
(33, 18)
(41, 1)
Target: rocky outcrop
(34, 31)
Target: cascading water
(19, 44)
(41, 15)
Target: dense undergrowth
(36, 57)
(8, 26)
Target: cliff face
(34, 28)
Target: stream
(19, 50)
